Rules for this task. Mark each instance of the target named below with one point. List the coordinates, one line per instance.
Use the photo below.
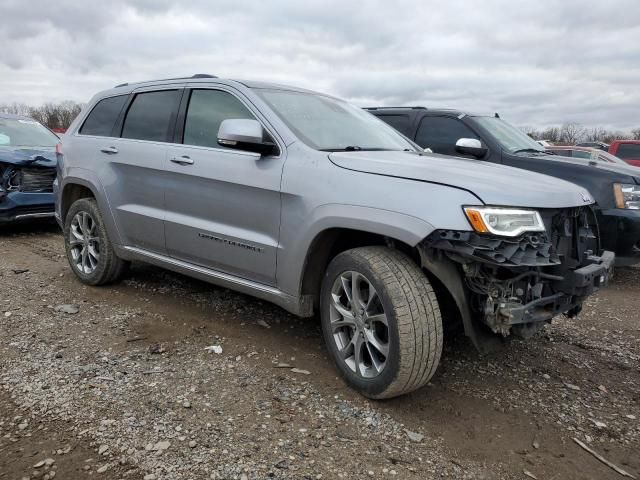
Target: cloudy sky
(536, 62)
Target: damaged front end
(514, 284)
(14, 178)
(26, 189)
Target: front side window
(207, 109)
(509, 137)
(102, 118)
(149, 116)
(628, 151)
(22, 132)
(440, 134)
(329, 124)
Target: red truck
(627, 150)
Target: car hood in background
(493, 184)
(627, 170)
(29, 156)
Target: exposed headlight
(627, 195)
(508, 222)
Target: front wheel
(381, 321)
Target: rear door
(222, 205)
(135, 186)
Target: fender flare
(89, 180)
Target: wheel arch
(340, 228)
(72, 191)
(75, 187)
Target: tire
(102, 266)
(412, 339)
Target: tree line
(53, 115)
(572, 133)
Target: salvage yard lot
(125, 387)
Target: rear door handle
(109, 150)
(183, 160)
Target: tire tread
(417, 315)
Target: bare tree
(595, 134)
(571, 133)
(15, 109)
(56, 115)
(635, 134)
(551, 134)
(531, 131)
(615, 135)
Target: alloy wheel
(359, 324)
(84, 243)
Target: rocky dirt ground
(119, 383)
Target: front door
(222, 205)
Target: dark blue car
(27, 169)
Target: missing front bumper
(569, 291)
(514, 285)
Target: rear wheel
(89, 250)
(381, 321)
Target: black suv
(616, 188)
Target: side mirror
(244, 134)
(471, 146)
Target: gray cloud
(537, 63)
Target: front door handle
(109, 150)
(183, 160)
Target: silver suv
(306, 201)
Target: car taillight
(59, 148)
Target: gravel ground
(124, 382)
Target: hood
(29, 156)
(493, 184)
(619, 168)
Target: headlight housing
(627, 195)
(507, 222)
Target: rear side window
(628, 151)
(150, 115)
(581, 154)
(103, 117)
(401, 123)
(207, 109)
(440, 134)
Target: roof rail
(197, 75)
(395, 108)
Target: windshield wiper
(528, 150)
(354, 148)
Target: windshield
(18, 132)
(509, 137)
(329, 124)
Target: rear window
(103, 117)
(628, 151)
(150, 115)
